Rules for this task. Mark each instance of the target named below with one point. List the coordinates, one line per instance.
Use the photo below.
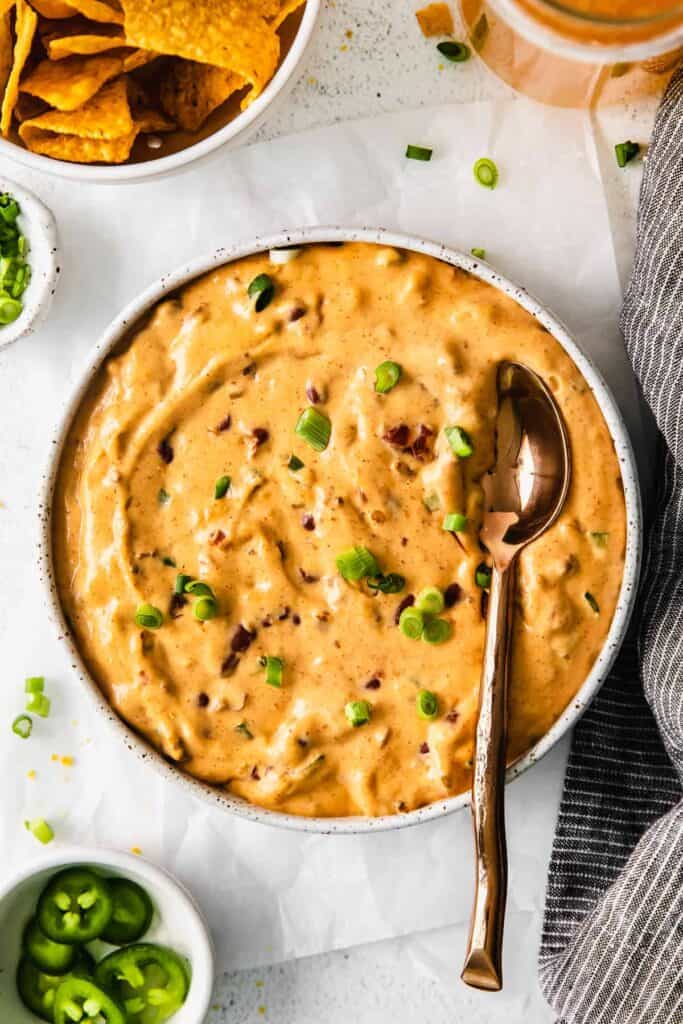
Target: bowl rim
(202, 958)
(245, 122)
(380, 236)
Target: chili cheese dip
(266, 529)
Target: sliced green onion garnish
(387, 376)
(245, 730)
(356, 563)
(626, 151)
(358, 712)
(170, 562)
(40, 830)
(199, 589)
(482, 576)
(592, 602)
(315, 428)
(148, 617)
(261, 290)
(456, 52)
(22, 726)
(427, 704)
(455, 522)
(411, 623)
(419, 153)
(222, 487)
(34, 684)
(391, 583)
(163, 497)
(281, 256)
(181, 581)
(430, 601)
(437, 631)
(460, 442)
(273, 667)
(10, 309)
(486, 172)
(479, 254)
(38, 704)
(295, 463)
(205, 608)
(599, 538)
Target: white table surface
(385, 66)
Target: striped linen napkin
(612, 945)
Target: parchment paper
(272, 895)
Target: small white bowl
(39, 226)
(236, 131)
(177, 923)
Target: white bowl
(177, 923)
(118, 329)
(40, 229)
(235, 132)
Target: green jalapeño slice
(149, 982)
(80, 1001)
(37, 989)
(75, 906)
(132, 913)
(51, 957)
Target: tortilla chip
(76, 150)
(191, 91)
(25, 29)
(5, 49)
(68, 84)
(435, 20)
(137, 59)
(53, 9)
(232, 34)
(6, 6)
(98, 10)
(59, 47)
(287, 7)
(153, 121)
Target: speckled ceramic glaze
(120, 326)
(235, 132)
(39, 227)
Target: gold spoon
(524, 495)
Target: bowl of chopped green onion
(28, 261)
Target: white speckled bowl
(615, 423)
(177, 923)
(235, 132)
(39, 227)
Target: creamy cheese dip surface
(207, 387)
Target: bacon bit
(312, 394)
(422, 445)
(177, 602)
(307, 521)
(165, 450)
(224, 424)
(373, 684)
(424, 748)
(255, 775)
(241, 639)
(401, 806)
(378, 516)
(229, 665)
(397, 436)
(296, 313)
(307, 578)
(259, 436)
(404, 541)
(284, 614)
(301, 741)
(267, 622)
(296, 619)
(202, 700)
(405, 470)
(453, 715)
(217, 537)
(407, 601)
(249, 369)
(452, 594)
(484, 603)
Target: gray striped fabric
(612, 946)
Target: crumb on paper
(343, 47)
(259, 983)
(67, 761)
(55, 757)
(136, 850)
(262, 1010)
(349, 33)
(32, 774)
(435, 20)
(312, 80)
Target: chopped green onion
(22, 726)
(285, 255)
(148, 617)
(356, 563)
(432, 501)
(205, 608)
(222, 487)
(170, 562)
(411, 623)
(199, 589)
(419, 153)
(479, 254)
(486, 172)
(34, 684)
(295, 463)
(437, 631)
(38, 704)
(261, 290)
(460, 442)
(482, 576)
(273, 667)
(599, 538)
(454, 51)
(427, 704)
(430, 601)
(387, 376)
(40, 830)
(358, 712)
(455, 522)
(181, 581)
(592, 602)
(245, 730)
(315, 428)
(626, 151)
(391, 583)
(10, 310)
(163, 497)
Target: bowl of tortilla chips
(116, 90)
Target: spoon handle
(483, 960)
